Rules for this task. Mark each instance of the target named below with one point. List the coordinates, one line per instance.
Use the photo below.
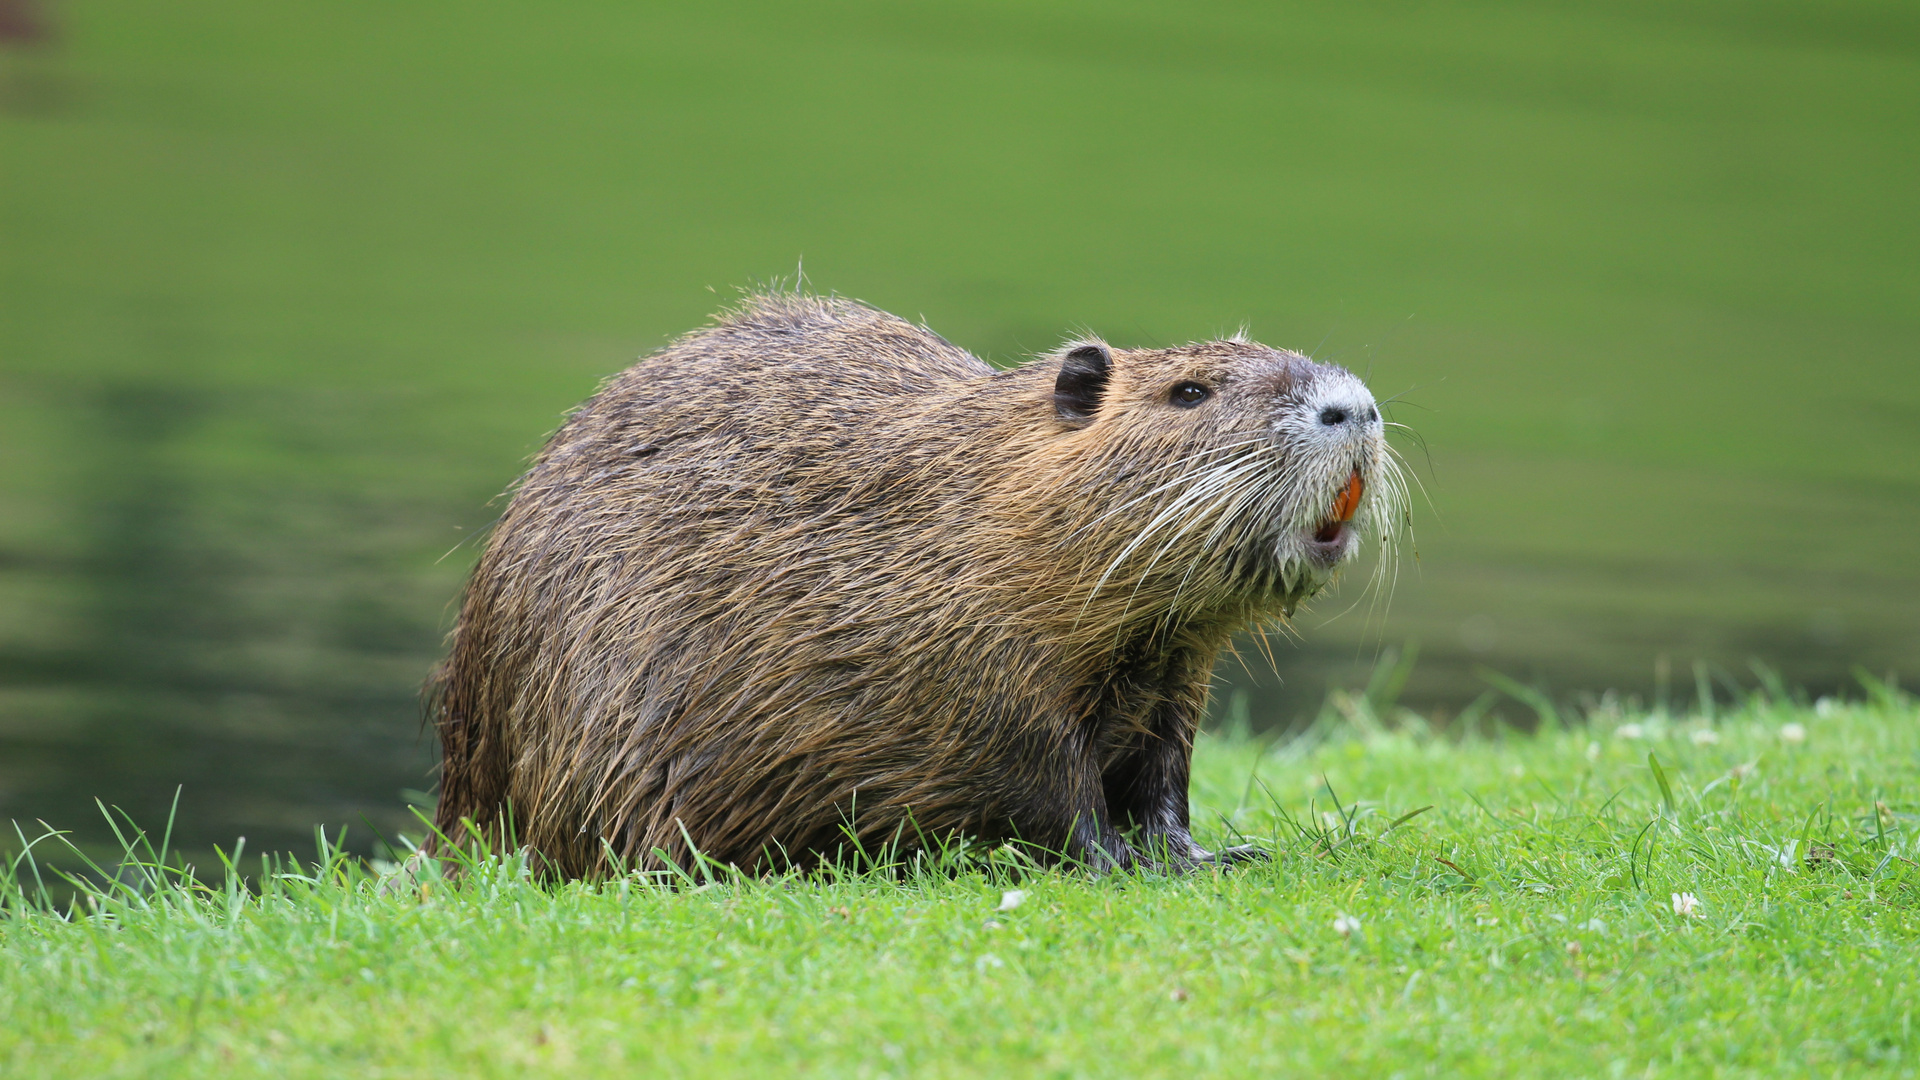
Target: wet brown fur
(814, 573)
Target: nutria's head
(1235, 473)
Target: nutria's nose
(1335, 415)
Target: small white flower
(1793, 733)
(1011, 899)
(1825, 707)
(1346, 925)
(1686, 904)
(1784, 853)
(1593, 926)
(1593, 751)
(1629, 731)
(1705, 736)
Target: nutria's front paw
(1243, 854)
(1195, 857)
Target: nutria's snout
(1335, 434)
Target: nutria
(814, 576)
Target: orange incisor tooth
(1349, 501)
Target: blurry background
(290, 291)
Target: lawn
(1628, 893)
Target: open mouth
(1344, 507)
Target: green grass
(1523, 926)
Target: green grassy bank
(1631, 895)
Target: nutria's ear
(1082, 381)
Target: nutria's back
(815, 575)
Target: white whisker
(1207, 486)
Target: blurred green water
(289, 292)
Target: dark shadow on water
(217, 654)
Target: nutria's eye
(1188, 394)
